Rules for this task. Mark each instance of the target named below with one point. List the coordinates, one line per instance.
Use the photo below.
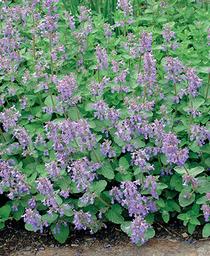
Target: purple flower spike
(138, 228)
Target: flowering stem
(145, 93)
(34, 39)
(207, 89)
(175, 92)
(1, 132)
(186, 170)
(98, 75)
(139, 64)
(51, 60)
(51, 96)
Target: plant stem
(1, 132)
(207, 90)
(186, 170)
(145, 93)
(34, 39)
(98, 75)
(51, 60)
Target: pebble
(74, 245)
(185, 235)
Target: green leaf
(50, 218)
(197, 102)
(61, 233)
(191, 228)
(2, 225)
(50, 101)
(204, 186)
(161, 187)
(201, 200)
(17, 215)
(183, 216)
(115, 214)
(126, 227)
(74, 113)
(186, 198)
(124, 163)
(98, 186)
(29, 227)
(192, 171)
(176, 182)
(150, 218)
(173, 206)
(107, 171)
(150, 233)
(160, 202)
(194, 221)
(196, 170)
(206, 230)
(118, 141)
(96, 156)
(165, 216)
(5, 212)
(180, 170)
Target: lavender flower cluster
(100, 123)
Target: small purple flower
(148, 78)
(87, 198)
(121, 78)
(65, 193)
(138, 228)
(140, 158)
(32, 203)
(200, 134)
(168, 34)
(128, 196)
(146, 42)
(12, 181)
(102, 57)
(101, 108)
(98, 88)
(115, 66)
(107, 30)
(116, 194)
(107, 150)
(66, 87)
(125, 6)
(151, 185)
(32, 217)
(188, 179)
(171, 150)
(83, 173)
(84, 14)
(82, 220)
(194, 82)
(53, 169)
(45, 187)
(124, 130)
(71, 22)
(9, 118)
(22, 136)
(23, 102)
(174, 69)
(206, 212)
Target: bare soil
(169, 241)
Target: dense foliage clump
(104, 118)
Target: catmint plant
(104, 117)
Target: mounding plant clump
(104, 122)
